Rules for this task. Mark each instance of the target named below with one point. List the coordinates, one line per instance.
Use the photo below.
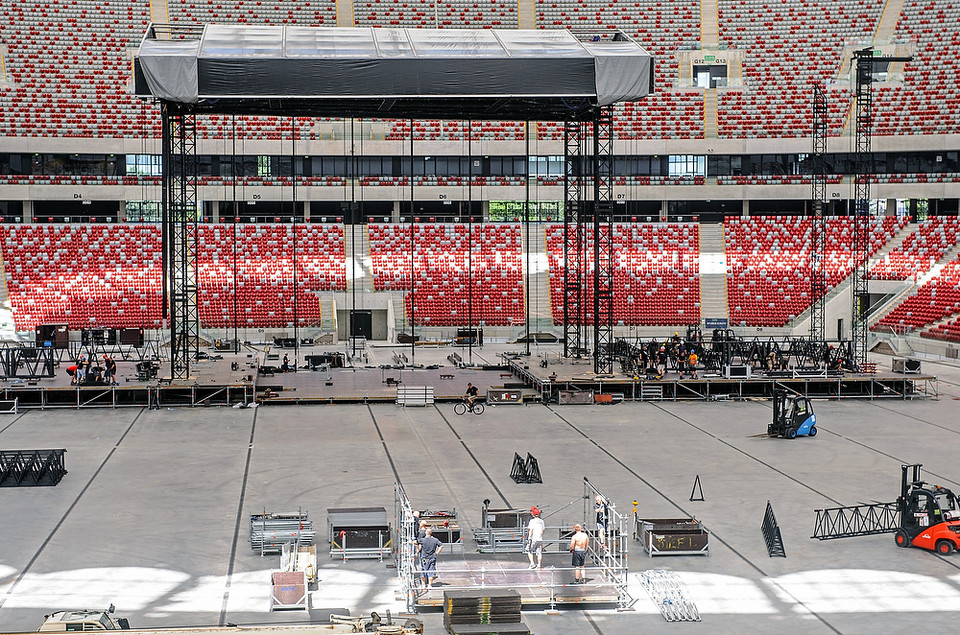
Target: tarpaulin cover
(319, 63)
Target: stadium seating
(442, 282)
(920, 250)
(69, 69)
(655, 273)
(788, 46)
(110, 275)
(90, 275)
(935, 300)
(928, 99)
(949, 331)
(768, 263)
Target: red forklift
(929, 514)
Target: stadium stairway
(526, 14)
(713, 272)
(538, 309)
(8, 329)
(345, 13)
(357, 249)
(709, 24)
(909, 287)
(802, 322)
(159, 14)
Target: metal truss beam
(180, 237)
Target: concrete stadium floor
(153, 514)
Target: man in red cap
(535, 538)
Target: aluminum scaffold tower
(179, 216)
(818, 222)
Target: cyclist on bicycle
(471, 395)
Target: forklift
(792, 416)
(929, 514)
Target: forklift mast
(906, 483)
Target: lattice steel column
(603, 256)
(574, 241)
(818, 223)
(180, 234)
(861, 206)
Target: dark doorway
(361, 324)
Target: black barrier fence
(771, 534)
(772, 354)
(525, 471)
(857, 520)
(27, 362)
(29, 468)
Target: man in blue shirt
(429, 548)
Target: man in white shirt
(535, 538)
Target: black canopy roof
(390, 73)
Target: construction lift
(793, 416)
(925, 516)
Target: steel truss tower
(179, 201)
(865, 60)
(580, 287)
(603, 257)
(818, 223)
(574, 240)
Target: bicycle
(461, 408)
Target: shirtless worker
(578, 547)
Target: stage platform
(547, 587)
(227, 379)
(569, 375)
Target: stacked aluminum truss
(669, 594)
(269, 532)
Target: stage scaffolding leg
(818, 224)
(180, 234)
(861, 204)
(603, 256)
(405, 542)
(574, 241)
(611, 547)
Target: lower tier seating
(444, 257)
(655, 273)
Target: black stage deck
(215, 382)
(573, 375)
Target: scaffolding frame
(405, 546)
(611, 549)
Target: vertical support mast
(180, 217)
(603, 256)
(574, 244)
(818, 223)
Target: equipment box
(575, 396)
(673, 536)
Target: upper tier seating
(768, 264)
(789, 45)
(928, 99)
(449, 14)
(920, 250)
(110, 275)
(935, 300)
(661, 28)
(656, 273)
(69, 69)
(441, 271)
